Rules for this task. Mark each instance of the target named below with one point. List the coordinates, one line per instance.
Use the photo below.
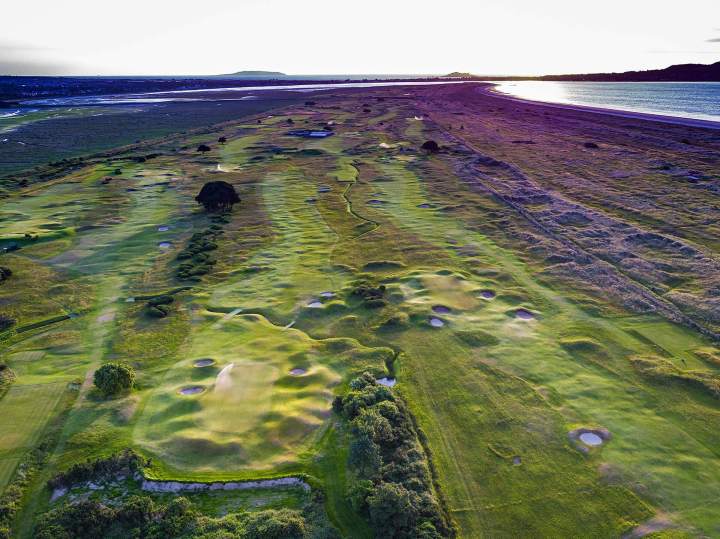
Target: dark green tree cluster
(113, 378)
(391, 483)
(159, 307)
(372, 296)
(142, 517)
(196, 259)
(5, 273)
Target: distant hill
(253, 75)
(676, 73)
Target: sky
(486, 37)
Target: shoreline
(490, 89)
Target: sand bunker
(424, 205)
(387, 382)
(524, 314)
(192, 390)
(588, 438)
(441, 309)
(107, 317)
(487, 294)
(375, 202)
(517, 461)
(297, 371)
(164, 245)
(436, 322)
(315, 305)
(311, 200)
(205, 362)
(324, 189)
(327, 294)
(163, 228)
(591, 439)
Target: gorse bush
(196, 258)
(391, 483)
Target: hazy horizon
(323, 37)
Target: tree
(112, 378)
(365, 457)
(203, 148)
(430, 146)
(222, 140)
(217, 196)
(5, 273)
(391, 509)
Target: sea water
(696, 100)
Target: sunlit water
(697, 100)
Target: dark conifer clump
(203, 148)
(217, 196)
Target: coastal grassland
(357, 252)
(568, 377)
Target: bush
(431, 146)
(373, 296)
(217, 196)
(112, 378)
(6, 322)
(275, 524)
(5, 273)
(157, 311)
(222, 140)
(161, 300)
(203, 148)
(125, 463)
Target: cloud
(714, 40)
(28, 59)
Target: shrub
(430, 146)
(275, 524)
(372, 296)
(112, 378)
(161, 300)
(217, 195)
(6, 322)
(5, 273)
(126, 463)
(222, 140)
(203, 148)
(157, 311)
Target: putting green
(253, 414)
